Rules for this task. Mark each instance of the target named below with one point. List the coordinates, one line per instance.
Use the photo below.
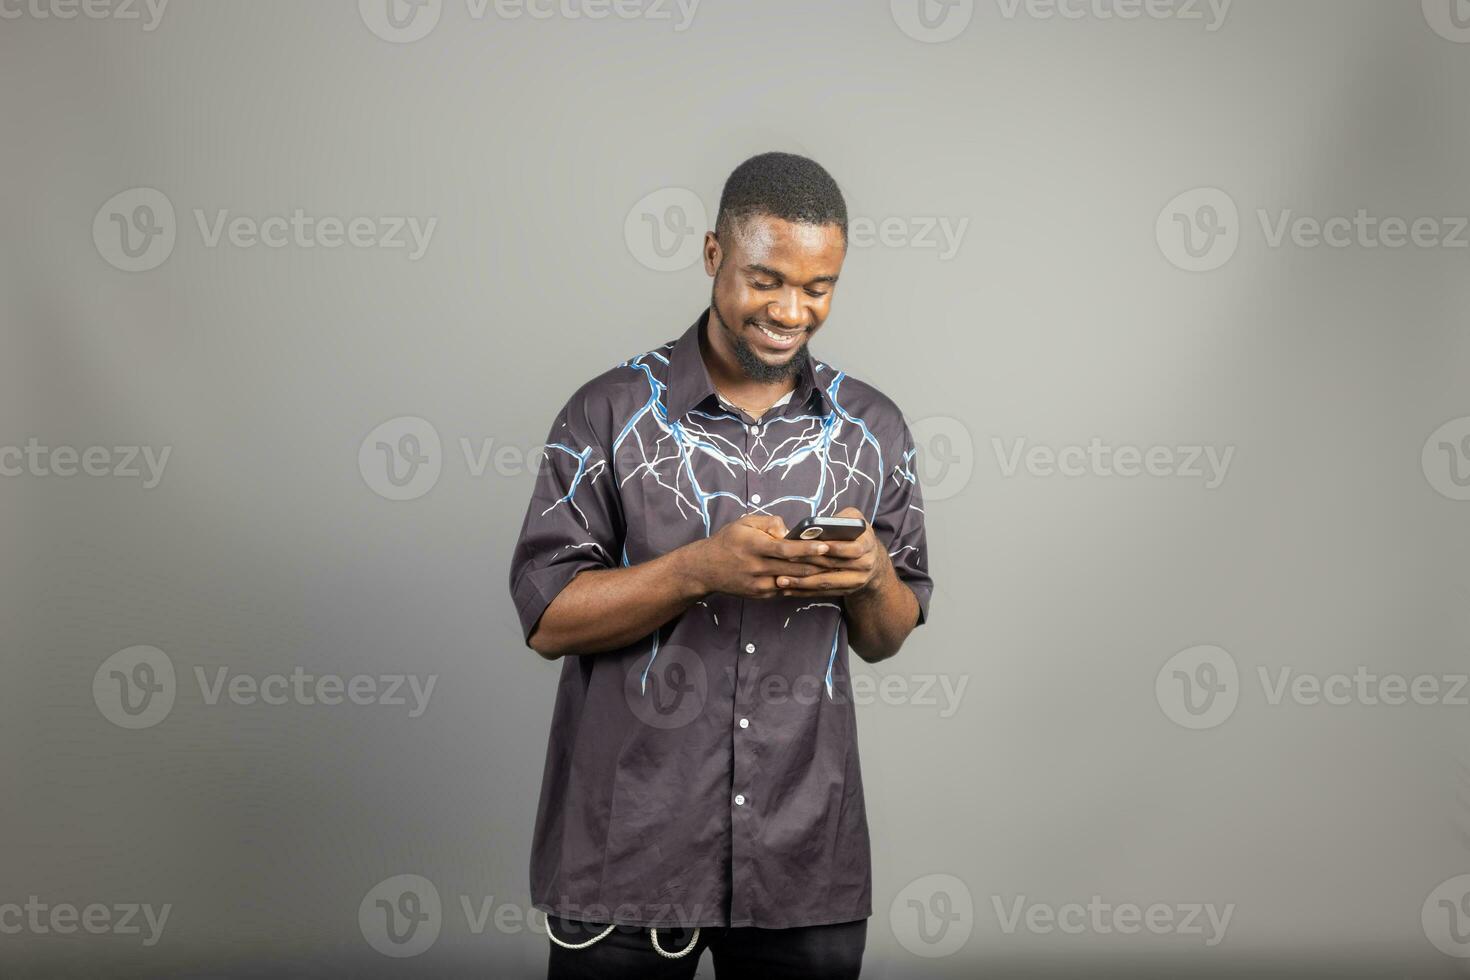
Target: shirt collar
(689, 382)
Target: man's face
(773, 288)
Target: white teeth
(778, 338)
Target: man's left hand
(856, 566)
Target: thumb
(770, 523)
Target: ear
(712, 253)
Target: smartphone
(828, 528)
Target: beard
(751, 363)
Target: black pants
(832, 952)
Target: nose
(786, 311)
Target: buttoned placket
(745, 723)
(745, 744)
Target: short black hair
(781, 185)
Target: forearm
(607, 608)
(881, 617)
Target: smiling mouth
(783, 340)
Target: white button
(750, 648)
(755, 430)
(755, 498)
(739, 799)
(744, 722)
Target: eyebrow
(757, 267)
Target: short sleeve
(574, 520)
(899, 519)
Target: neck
(730, 378)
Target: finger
(766, 588)
(850, 549)
(769, 523)
(823, 580)
(791, 550)
(764, 522)
(840, 564)
(772, 526)
(791, 568)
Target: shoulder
(857, 399)
(605, 400)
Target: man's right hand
(744, 558)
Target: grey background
(1059, 599)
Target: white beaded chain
(610, 928)
(652, 936)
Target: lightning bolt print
(666, 450)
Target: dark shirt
(707, 774)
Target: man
(702, 786)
